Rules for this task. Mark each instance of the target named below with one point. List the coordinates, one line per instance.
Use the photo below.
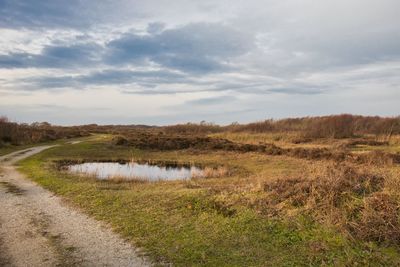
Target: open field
(293, 192)
(199, 133)
(270, 210)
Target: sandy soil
(38, 229)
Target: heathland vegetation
(306, 191)
(12, 133)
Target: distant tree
(4, 119)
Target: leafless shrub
(354, 200)
(379, 220)
(334, 185)
(334, 126)
(19, 134)
(201, 128)
(377, 157)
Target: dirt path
(38, 229)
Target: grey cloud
(39, 83)
(15, 60)
(211, 101)
(56, 14)
(291, 88)
(198, 48)
(306, 90)
(45, 13)
(107, 77)
(155, 27)
(54, 56)
(128, 76)
(324, 35)
(195, 48)
(296, 57)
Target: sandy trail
(38, 229)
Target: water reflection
(133, 170)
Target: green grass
(201, 222)
(12, 148)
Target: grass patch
(203, 221)
(11, 148)
(7, 149)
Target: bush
(193, 128)
(379, 220)
(331, 188)
(20, 134)
(352, 199)
(335, 126)
(120, 141)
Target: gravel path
(38, 229)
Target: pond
(134, 170)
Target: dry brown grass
(208, 172)
(379, 219)
(329, 188)
(334, 126)
(124, 179)
(354, 199)
(377, 157)
(337, 153)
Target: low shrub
(152, 141)
(365, 142)
(178, 142)
(379, 219)
(377, 157)
(349, 198)
(22, 134)
(329, 189)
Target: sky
(163, 62)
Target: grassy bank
(12, 148)
(213, 222)
(6, 149)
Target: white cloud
(265, 58)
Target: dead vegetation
(334, 126)
(193, 128)
(365, 142)
(160, 141)
(12, 133)
(353, 199)
(379, 220)
(209, 172)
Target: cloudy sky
(164, 62)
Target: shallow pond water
(133, 170)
